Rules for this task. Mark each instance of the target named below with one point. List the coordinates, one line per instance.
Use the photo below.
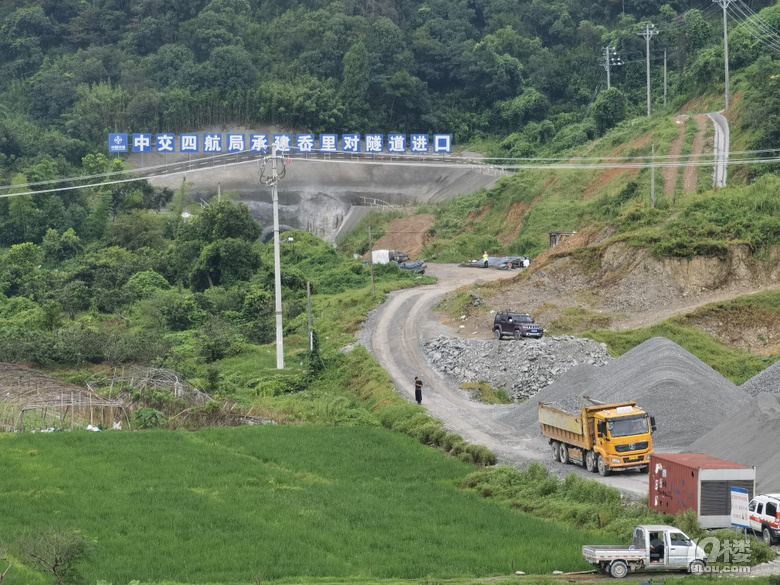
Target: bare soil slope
(408, 234)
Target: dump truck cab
(622, 436)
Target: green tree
(143, 285)
(609, 109)
(354, 85)
(135, 230)
(74, 297)
(20, 270)
(225, 262)
(57, 248)
(99, 109)
(222, 220)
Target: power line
(637, 162)
(757, 17)
(765, 35)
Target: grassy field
(275, 502)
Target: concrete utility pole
(648, 34)
(273, 181)
(608, 60)
(308, 316)
(664, 77)
(725, 4)
(652, 175)
(371, 261)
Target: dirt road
(395, 333)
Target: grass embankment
(748, 317)
(276, 502)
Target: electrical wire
(764, 23)
(764, 35)
(553, 164)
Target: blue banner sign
(215, 142)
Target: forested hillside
(73, 70)
(520, 78)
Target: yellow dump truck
(603, 437)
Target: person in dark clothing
(656, 548)
(418, 390)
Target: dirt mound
(749, 436)
(408, 234)
(766, 381)
(687, 397)
(627, 286)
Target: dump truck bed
(565, 427)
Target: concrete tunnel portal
(328, 197)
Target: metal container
(695, 481)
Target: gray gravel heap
(521, 367)
(766, 381)
(750, 436)
(687, 397)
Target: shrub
(148, 418)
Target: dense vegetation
(526, 71)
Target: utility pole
(308, 316)
(273, 181)
(664, 77)
(371, 261)
(648, 34)
(608, 60)
(652, 175)
(725, 4)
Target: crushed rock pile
(687, 397)
(766, 381)
(521, 367)
(749, 436)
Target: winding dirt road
(395, 334)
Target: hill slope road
(395, 334)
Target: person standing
(418, 390)
(484, 259)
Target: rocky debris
(749, 436)
(687, 397)
(766, 381)
(521, 367)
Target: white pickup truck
(655, 547)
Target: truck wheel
(767, 535)
(496, 333)
(618, 569)
(518, 335)
(590, 461)
(564, 453)
(603, 469)
(556, 450)
(696, 568)
(644, 469)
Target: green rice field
(251, 504)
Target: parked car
(764, 517)
(517, 325)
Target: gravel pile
(521, 367)
(766, 381)
(750, 436)
(687, 397)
